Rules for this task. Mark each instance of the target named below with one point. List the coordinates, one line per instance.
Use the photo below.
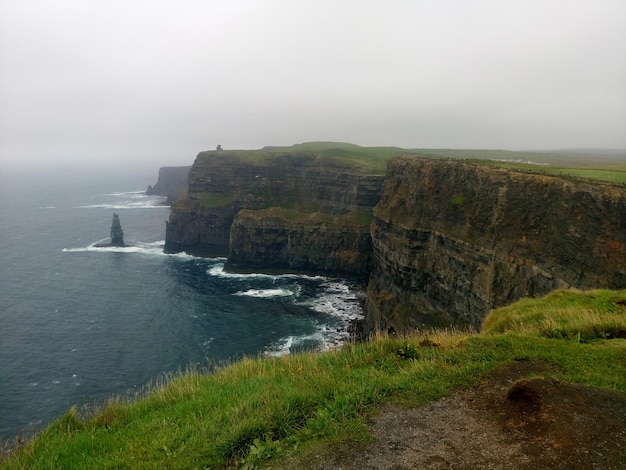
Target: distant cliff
(269, 210)
(172, 183)
(441, 241)
(453, 239)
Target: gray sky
(159, 80)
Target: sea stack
(117, 235)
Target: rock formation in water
(117, 235)
(172, 183)
(447, 241)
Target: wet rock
(117, 235)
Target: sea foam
(265, 293)
(143, 248)
(128, 200)
(218, 270)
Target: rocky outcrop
(453, 239)
(279, 240)
(117, 235)
(172, 183)
(273, 210)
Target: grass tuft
(565, 314)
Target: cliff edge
(453, 239)
(273, 210)
(441, 241)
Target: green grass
(617, 175)
(373, 160)
(583, 316)
(611, 173)
(260, 410)
(366, 160)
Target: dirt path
(509, 423)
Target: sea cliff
(453, 239)
(171, 183)
(293, 211)
(441, 241)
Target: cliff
(171, 183)
(277, 210)
(454, 239)
(275, 240)
(441, 241)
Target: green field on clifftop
(258, 411)
(600, 165)
(363, 159)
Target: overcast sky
(159, 80)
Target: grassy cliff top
(259, 411)
(371, 160)
(592, 164)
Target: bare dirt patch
(513, 421)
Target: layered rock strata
(276, 211)
(453, 239)
(449, 239)
(273, 240)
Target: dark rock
(172, 183)
(267, 240)
(117, 235)
(276, 212)
(454, 239)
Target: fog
(121, 83)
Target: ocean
(79, 324)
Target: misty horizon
(155, 83)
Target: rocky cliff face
(453, 239)
(275, 211)
(172, 183)
(279, 240)
(447, 241)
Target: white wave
(112, 249)
(128, 200)
(159, 243)
(218, 270)
(321, 340)
(281, 349)
(150, 248)
(129, 194)
(338, 299)
(126, 205)
(265, 293)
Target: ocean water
(80, 323)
